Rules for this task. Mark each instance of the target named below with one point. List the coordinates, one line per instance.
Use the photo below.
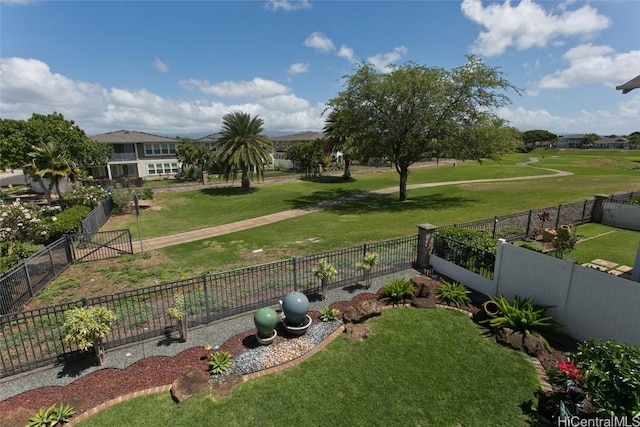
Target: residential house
(209, 141)
(138, 155)
(571, 141)
(282, 143)
(612, 141)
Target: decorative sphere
(295, 306)
(265, 320)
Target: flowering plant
(570, 370)
(544, 216)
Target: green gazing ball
(265, 320)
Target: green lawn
(420, 367)
(609, 243)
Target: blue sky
(176, 67)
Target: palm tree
(338, 139)
(243, 148)
(48, 161)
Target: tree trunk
(347, 168)
(323, 290)
(245, 180)
(45, 190)
(404, 173)
(184, 330)
(98, 347)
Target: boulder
(533, 345)
(357, 332)
(549, 234)
(191, 382)
(423, 303)
(421, 286)
(362, 311)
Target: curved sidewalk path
(219, 230)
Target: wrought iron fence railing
(467, 256)
(31, 339)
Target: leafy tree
(416, 111)
(307, 154)
(14, 145)
(537, 137)
(589, 139)
(243, 148)
(192, 155)
(634, 139)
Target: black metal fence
(464, 255)
(33, 338)
(23, 281)
(97, 217)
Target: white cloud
(593, 64)
(288, 5)
(256, 88)
(320, 42)
(346, 52)
(298, 68)
(382, 60)
(621, 120)
(29, 86)
(160, 65)
(528, 24)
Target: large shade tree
(243, 148)
(415, 111)
(307, 154)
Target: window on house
(162, 168)
(159, 149)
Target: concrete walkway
(219, 230)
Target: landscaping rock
(191, 382)
(357, 332)
(362, 311)
(225, 385)
(532, 345)
(549, 234)
(421, 286)
(423, 303)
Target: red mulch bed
(106, 384)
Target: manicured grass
(603, 242)
(420, 367)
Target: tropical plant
(177, 310)
(564, 241)
(455, 293)
(219, 362)
(328, 314)
(396, 290)
(371, 259)
(48, 162)
(88, 196)
(611, 376)
(522, 315)
(242, 147)
(87, 327)
(325, 271)
(52, 416)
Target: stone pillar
(596, 212)
(426, 234)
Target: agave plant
(455, 293)
(52, 416)
(522, 315)
(219, 362)
(397, 289)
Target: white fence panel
(524, 272)
(621, 215)
(462, 275)
(601, 305)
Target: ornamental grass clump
(329, 314)
(455, 293)
(522, 315)
(396, 290)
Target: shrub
(522, 315)
(87, 196)
(328, 314)
(531, 246)
(611, 376)
(52, 416)
(219, 362)
(177, 310)
(23, 222)
(397, 289)
(473, 249)
(12, 252)
(144, 193)
(86, 325)
(122, 201)
(455, 293)
(477, 239)
(69, 221)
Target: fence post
(558, 216)
(130, 242)
(207, 308)
(529, 224)
(426, 233)
(495, 224)
(29, 284)
(67, 249)
(295, 273)
(596, 213)
(584, 211)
